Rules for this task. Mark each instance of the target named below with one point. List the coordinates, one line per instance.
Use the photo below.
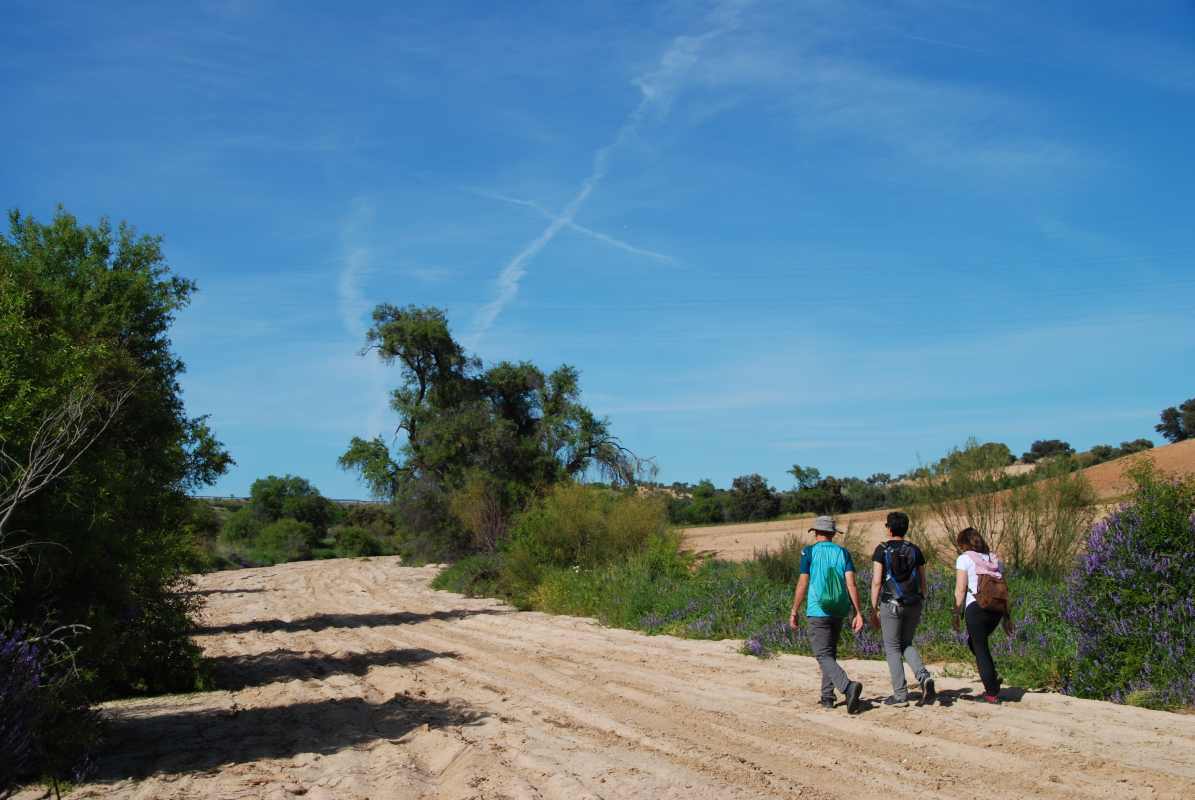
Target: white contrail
(601, 237)
(353, 306)
(657, 88)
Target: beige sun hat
(825, 524)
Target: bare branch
(60, 439)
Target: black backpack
(902, 580)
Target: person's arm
(924, 583)
(853, 591)
(960, 594)
(799, 597)
(877, 583)
(1009, 628)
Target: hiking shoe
(929, 693)
(853, 690)
(991, 698)
(893, 700)
(826, 702)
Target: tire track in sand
(352, 679)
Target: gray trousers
(897, 625)
(823, 638)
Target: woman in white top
(975, 557)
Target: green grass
(662, 591)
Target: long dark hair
(971, 539)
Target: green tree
(273, 498)
(705, 508)
(522, 429)
(751, 498)
(1135, 446)
(989, 455)
(1178, 423)
(806, 477)
(87, 311)
(1047, 448)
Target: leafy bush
(88, 310)
(1132, 599)
(578, 526)
(354, 542)
(242, 525)
(376, 518)
(1035, 522)
(782, 565)
(283, 541)
(46, 728)
(482, 506)
(290, 497)
(472, 576)
(703, 506)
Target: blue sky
(839, 234)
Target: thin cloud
(598, 235)
(355, 264)
(354, 307)
(657, 89)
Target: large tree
(1047, 448)
(86, 312)
(1178, 422)
(504, 431)
(751, 499)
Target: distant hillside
(1109, 479)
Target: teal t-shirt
(816, 559)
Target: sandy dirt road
(351, 679)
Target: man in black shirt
(898, 588)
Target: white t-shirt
(964, 562)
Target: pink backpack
(991, 592)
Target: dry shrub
(480, 506)
(1036, 526)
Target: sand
(741, 541)
(352, 679)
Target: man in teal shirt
(828, 580)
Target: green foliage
(1035, 522)
(473, 576)
(751, 499)
(1177, 422)
(577, 526)
(988, 454)
(375, 518)
(354, 542)
(782, 565)
(1105, 452)
(705, 507)
(492, 436)
(242, 525)
(282, 541)
(1044, 522)
(1047, 448)
(826, 496)
(273, 498)
(702, 506)
(86, 311)
(1131, 597)
(805, 477)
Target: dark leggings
(980, 625)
